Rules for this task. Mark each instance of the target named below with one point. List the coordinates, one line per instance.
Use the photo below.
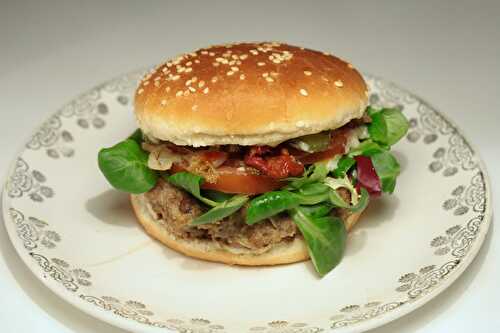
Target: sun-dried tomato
(276, 163)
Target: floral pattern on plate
(32, 193)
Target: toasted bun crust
(282, 253)
(248, 93)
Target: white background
(445, 51)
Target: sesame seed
(242, 76)
(167, 89)
(232, 62)
(192, 89)
(175, 77)
(163, 102)
(197, 61)
(189, 63)
(234, 56)
(189, 69)
(338, 83)
(205, 91)
(145, 83)
(193, 54)
(194, 79)
(235, 69)
(186, 92)
(254, 52)
(350, 65)
(204, 52)
(276, 61)
(269, 79)
(178, 93)
(229, 73)
(260, 63)
(157, 78)
(238, 62)
(303, 92)
(140, 91)
(201, 83)
(214, 79)
(274, 74)
(157, 84)
(188, 82)
(308, 73)
(194, 107)
(326, 53)
(169, 64)
(266, 74)
(215, 64)
(212, 54)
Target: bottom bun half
(284, 252)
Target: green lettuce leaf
(367, 148)
(388, 169)
(125, 166)
(319, 210)
(363, 201)
(336, 183)
(191, 183)
(221, 210)
(315, 173)
(343, 166)
(325, 238)
(270, 204)
(216, 196)
(388, 126)
(137, 136)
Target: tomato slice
(230, 180)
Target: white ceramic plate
(80, 238)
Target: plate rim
(374, 322)
(55, 288)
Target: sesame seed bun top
(248, 93)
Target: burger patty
(176, 209)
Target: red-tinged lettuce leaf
(367, 176)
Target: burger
(255, 154)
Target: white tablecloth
(447, 52)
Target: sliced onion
(161, 158)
